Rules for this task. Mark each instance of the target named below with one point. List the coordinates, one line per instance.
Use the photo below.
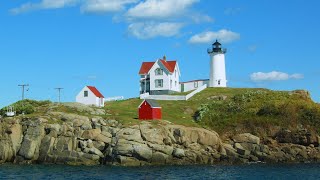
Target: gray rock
(246, 138)
(161, 148)
(142, 151)
(16, 137)
(179, 153)
(95, 151)
(241, 150)
(83, 144)
(153, 134)
(31, 142)
(128, 161)
(130, 134)
(99, 145)
(159, 158)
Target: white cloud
(274, 76)
(152, 29)
(103, 6)
(199, 18)
(296, 76)
(223, 35)
(146, 18)
(44, 4)
(160, 9)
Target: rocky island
(221, 126)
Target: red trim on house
(95, 91)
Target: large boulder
(159, 158)
(124, 147)
(153, 134)
(161, 148)
(188, 135)
(130, 134)
(246, 138)
(16, 137)
(301, 136)
(31, 142)
(241, 150)
(6, 152)
(95, 134)
(142, 151)
(179, 153)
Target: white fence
(173, 97)
(196, 91)
(117, 98)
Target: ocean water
(250, 171)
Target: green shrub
(26, 106)
(269, 110)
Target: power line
(59, 92)
(23, 87)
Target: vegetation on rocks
(233, 110)
(26, 106)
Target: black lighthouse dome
(216, 48)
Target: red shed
(149, 110)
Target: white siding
(90, 100)
(153, 77)
(217, 70)
(166, 77)
(189, 86)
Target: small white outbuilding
(90, 95)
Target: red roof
(95, 91)
(146, 66)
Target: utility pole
(23, 87)
(59, 92)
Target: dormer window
(158, 71)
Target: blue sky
(73, 43)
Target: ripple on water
(251, 171)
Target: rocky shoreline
(80, 140)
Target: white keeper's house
(159, 77)
(90, 95)
(162, 77)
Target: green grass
(225, 110)
(182, 93)
(177, 112)
(250, 110)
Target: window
(159, 83)
(176, 83)
(170, 84)
(219, 82)
(85, 93)
(196, 84)
(158, 71)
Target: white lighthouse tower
(217, 66)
